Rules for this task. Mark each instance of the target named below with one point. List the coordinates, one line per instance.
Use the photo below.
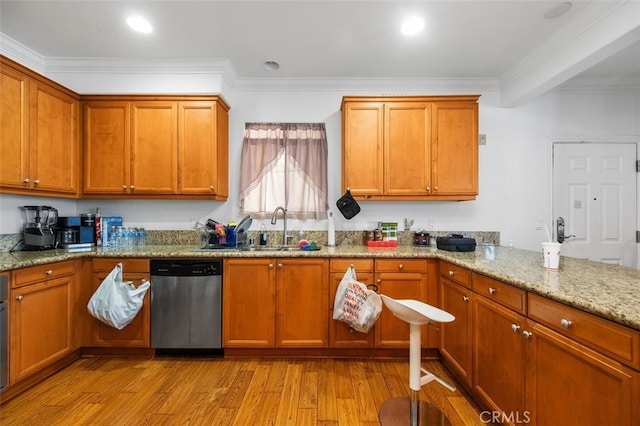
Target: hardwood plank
(278, 392)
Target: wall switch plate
(482, 139)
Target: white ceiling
(510, 42)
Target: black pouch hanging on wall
(347, 205)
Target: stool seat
(415, 311)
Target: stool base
(397, 411)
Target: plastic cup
(551, 256)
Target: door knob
(560, 230)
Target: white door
(594, 191)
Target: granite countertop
(609, 291)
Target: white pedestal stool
(410, 410)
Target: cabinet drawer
(401, 265)
(361, 265)
(34, 274)
(503, 293)
(455, 273)
(615, 340)
(128, 265)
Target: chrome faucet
(274, 217)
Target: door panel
(594, 187)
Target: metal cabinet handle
(19, 298)
(401, 266)
(124, 187)
(428, 188)
(527, 334)
(26, 180)
(435, 188)
(279, 265)
(492, 290)
(565, 323)
(270, 266)
(451, 273)
(211, 187)
(515, 327)
(132, 187)
(48, 272)
(465, 298)
(379, 281)
(36, 182)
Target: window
(284, 164)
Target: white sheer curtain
(284, 164)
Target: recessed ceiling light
(271, 65)
(412, 25)
(139, 24)
(558, 10)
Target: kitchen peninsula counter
(609, 291)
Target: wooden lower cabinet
(138, 332)
(275, 303)
(399, 279)
(340, 334)
(456, 336)
(41, 308)
(499, 356)
(570, 384)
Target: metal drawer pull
(48, 272)
(492, 290)
(401, 266)
(527, 334)
(515, 327)
(19, 298)
(465, 298)
(565, 323)
(451, 273)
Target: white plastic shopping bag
(355, 304)
(117, 302)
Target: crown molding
(22, 54)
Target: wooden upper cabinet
(407, 154)
(14, 122)
(156, 147)
(40, 135)
(203, 157)
(106, 147)
(410, 147)
(362, 148)
(454, 148)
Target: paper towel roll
(331, 229)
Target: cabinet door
(40, 327)
(54, 140)
(138, 332)
(248, 303)
(455, 148)
(340, 334)
(302, 311)
(14, 122)
(499, 365)
(392, 332)
(202, 149)
(362, 148)
(407, 148)
(570, 384)
(154, 147)
(455, 337)
(106, 147)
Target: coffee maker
(39, 223)
(76, 232)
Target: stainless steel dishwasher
(186, 305)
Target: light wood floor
(216, 391)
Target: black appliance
(38, 232)
(456, 242)
(76, 231)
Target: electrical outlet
(482, 139)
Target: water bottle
(113, 237)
